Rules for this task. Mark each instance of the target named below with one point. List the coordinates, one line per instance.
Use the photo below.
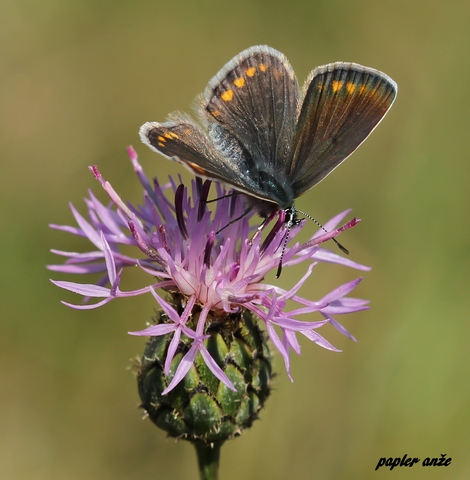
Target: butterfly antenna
(284, 245)
(343, 249)
(291, 222)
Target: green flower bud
(201, 408)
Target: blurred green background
(77, 79)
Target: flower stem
(208, 459)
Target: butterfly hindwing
(182, 140)
(343, 103)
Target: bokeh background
(78, 78)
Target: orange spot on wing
(336, 85)
(250, 71)
(239, 82)
(350, 87)
(227, 95)
(197, 169)
(263, 67)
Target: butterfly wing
(343, 103)
(182, 140)
(255, 98)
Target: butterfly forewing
(343, 103)
(255, 98)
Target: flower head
(213, 262)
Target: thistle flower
(206, 370)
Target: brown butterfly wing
(255, 98)
(343, 104)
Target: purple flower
(207, 258)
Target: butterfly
(264, 136)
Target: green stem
(208, 456)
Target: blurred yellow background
(77, 79)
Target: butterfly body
(267, 138)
